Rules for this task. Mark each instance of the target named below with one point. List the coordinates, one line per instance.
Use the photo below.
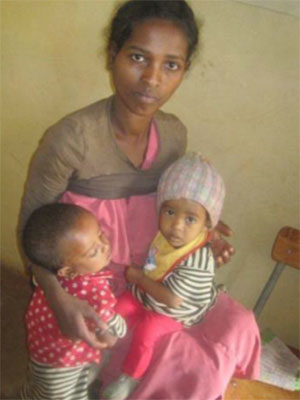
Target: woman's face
(150, 66)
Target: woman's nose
(152, 75)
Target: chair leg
(267, 290)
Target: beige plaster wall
(239, 102)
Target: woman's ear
(111, 55)
(67, 272)
(187, 65)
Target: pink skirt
(198, 363)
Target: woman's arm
(158, 291)
(57, 158)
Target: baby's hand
(134, 274)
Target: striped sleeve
(193, 281)
(117, 326)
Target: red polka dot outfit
(46, 343)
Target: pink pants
(148, 327)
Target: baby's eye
(100, 236)
(190, 220)
(94, 252)
(137, 58)
(169, 211)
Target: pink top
(130, 223)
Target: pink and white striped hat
(193, 178)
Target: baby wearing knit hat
(175, 288)
(194, 179)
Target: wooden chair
(285, 252)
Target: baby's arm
(193, 278)
(155, 289)
(116, 328)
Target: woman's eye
(173, 66)
(137, 58)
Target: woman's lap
(194, 364)
(198, 363)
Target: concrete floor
(15, 294)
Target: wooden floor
(252, 390)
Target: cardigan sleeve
(57, 158)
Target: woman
(108, 156)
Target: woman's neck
(131, 132)
(127, 125)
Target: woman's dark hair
(45, 230)
(134, 11)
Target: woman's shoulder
(89, 114)
(172, 130)
(162, 117)
(78, 125)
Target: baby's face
(87, 247)
(181, 221)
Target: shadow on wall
(15, 294)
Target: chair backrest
(286, 247)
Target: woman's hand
(72, 314)
(222, 250)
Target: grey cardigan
(79, 153)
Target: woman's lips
(146, 98)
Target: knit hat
(193, 178)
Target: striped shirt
(50, 383)
(193, 281)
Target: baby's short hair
(45, 230)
